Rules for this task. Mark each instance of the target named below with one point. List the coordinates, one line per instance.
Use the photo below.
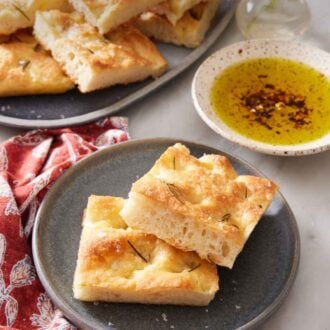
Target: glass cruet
(277, 19)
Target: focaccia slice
(118, 264)
(189, 31)
(26, 68)
(198, 204)
(175, 9)
(90, 59)
(19, 14)
(107, 15)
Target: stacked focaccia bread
(120, 264)
(94, 61)
(183, 22)
(162, 243)
(93, 44)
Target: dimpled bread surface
(175, 9)
(106, 15)
(118, 264)
(93, 61)
(20, 14)
(198, 204)
(188, 31)
(26, 68)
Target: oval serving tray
(72, 108)
(258, 283)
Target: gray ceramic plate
(74, 108)
(260, 280)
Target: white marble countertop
(303, 181)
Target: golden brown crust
(19, 14)
(126, 265)
(203, 195)
(108, 15)
(25, 68)
(130, 37)
(106, 210)
(174, 10)
(92, 60)
(189, 30)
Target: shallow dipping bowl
(252, 49)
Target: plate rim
(69, 312)
(122, 104)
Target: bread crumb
(237, 306)
(164, 316)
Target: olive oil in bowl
(273, 100)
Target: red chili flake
(264, 103)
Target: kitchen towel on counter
(29, 165)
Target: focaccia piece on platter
(175, 9)
(189, 31)
(93, 61)
(107, 15)
(198, 204)
(26, 68)
(118, 264)
(19, 14)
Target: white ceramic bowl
(216, 63)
